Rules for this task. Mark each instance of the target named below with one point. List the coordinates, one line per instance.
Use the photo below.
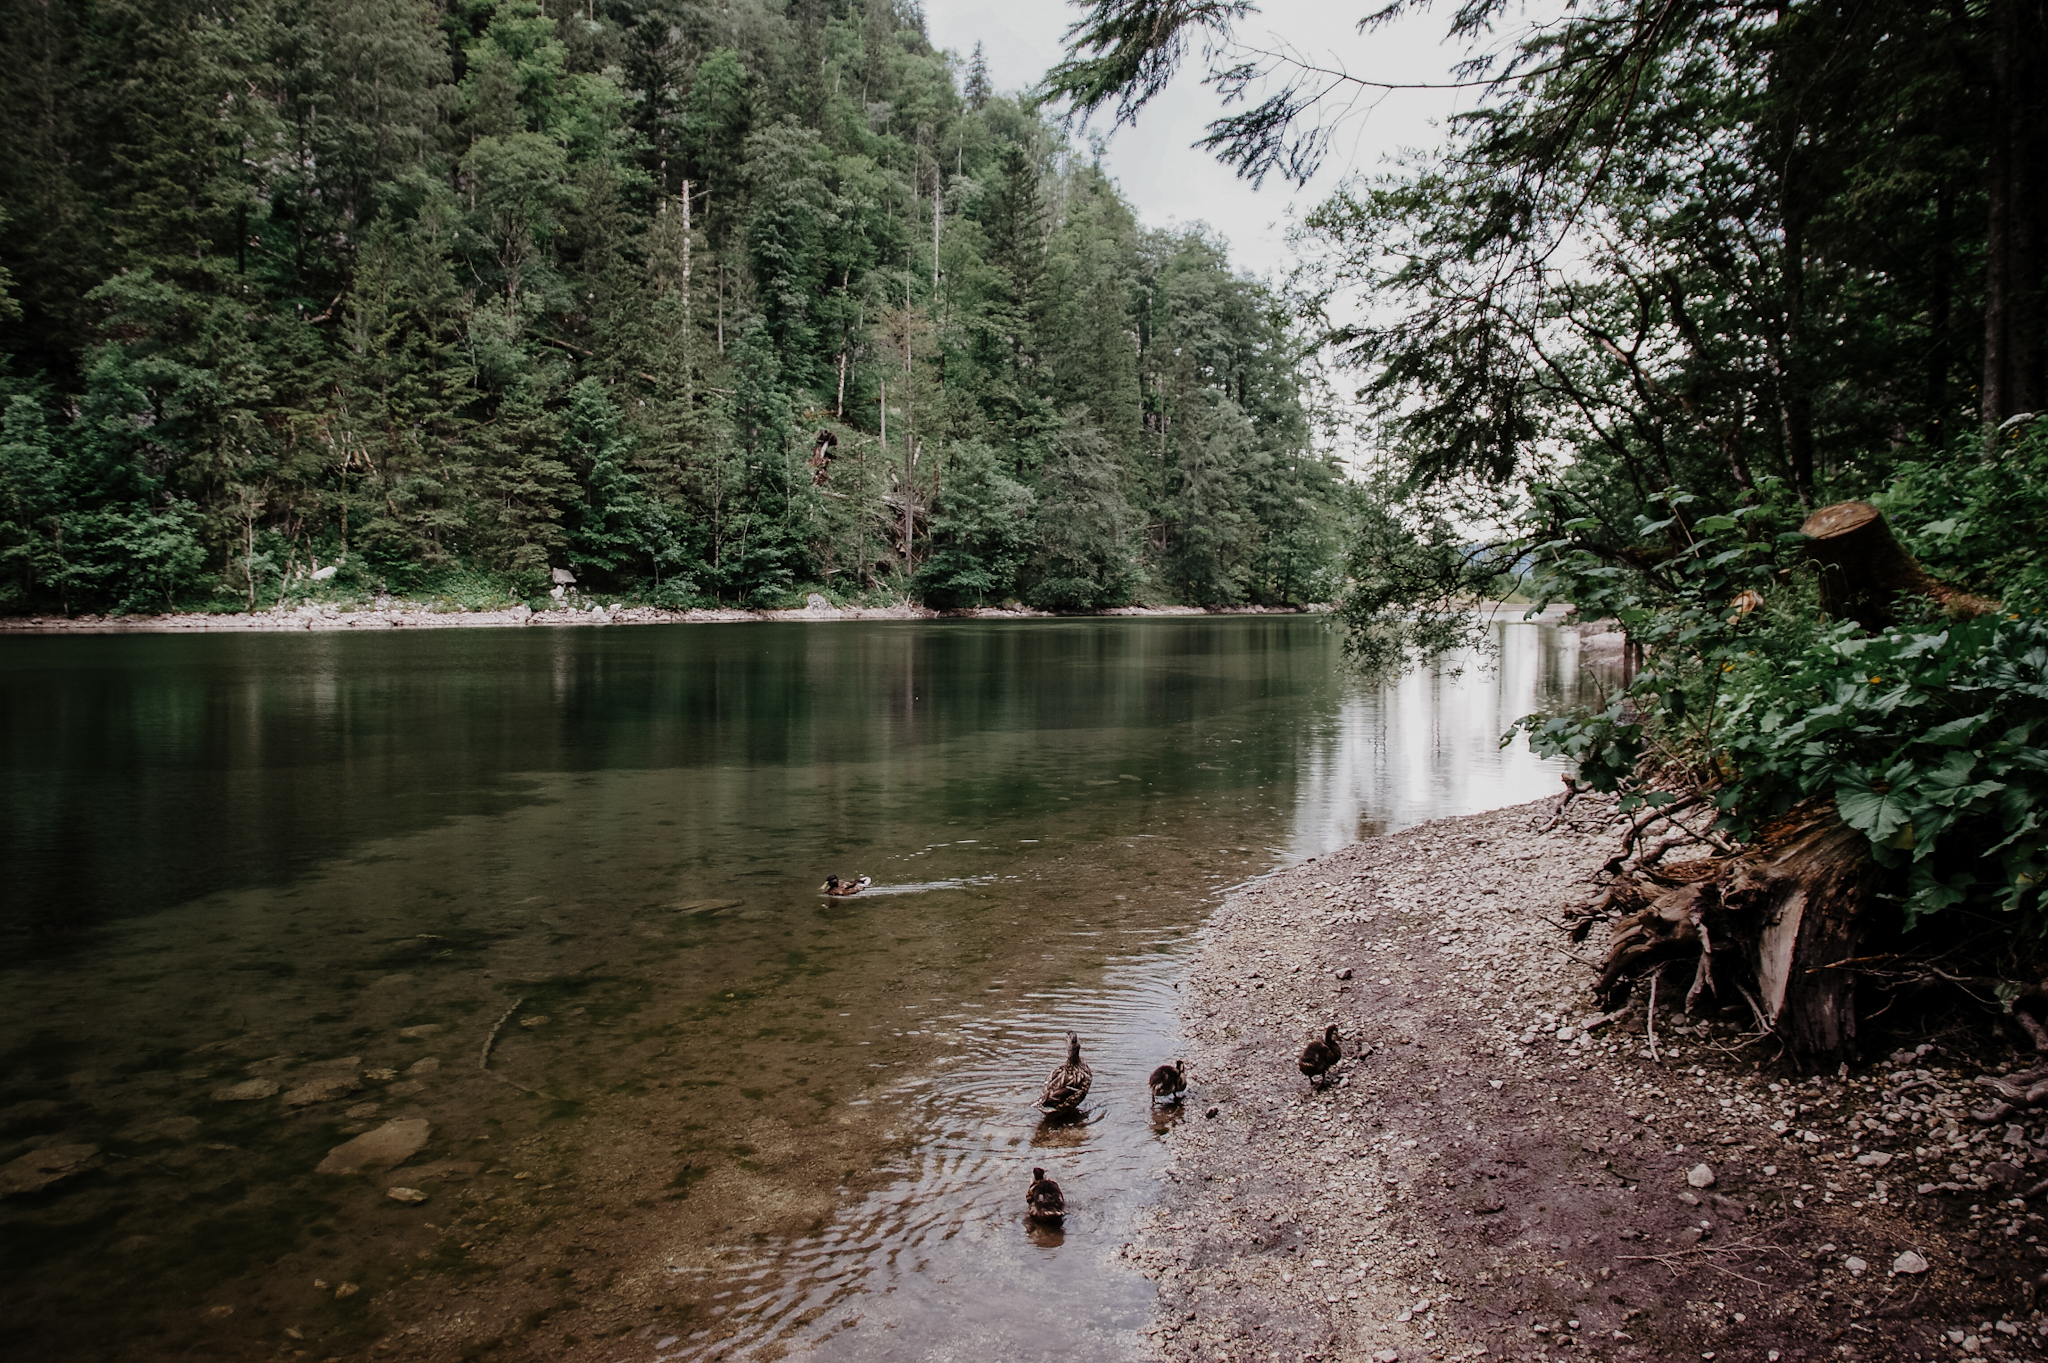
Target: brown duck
(1067, 1087)
(841, 886)
(1168, 1082)
(1044, 1201)
(1320, 1056)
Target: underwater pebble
(247, 1091)
(322, 1090)
(409, 1196)
(391, 1143)
(39, 1169)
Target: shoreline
(1503, 1174)
(420, 615)
(424, 616)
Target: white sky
(1170, 181)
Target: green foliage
(1086, 526)
(1927, 736)
(499, 286)
(1976, 515)
(1928, 739)
(1414, 582)
(981, 533)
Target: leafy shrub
(1927, 736)
(1927, 739)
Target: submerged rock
(38, 1169)
(322, 1090)
(391, 1143)
(247, 1091)
(409, 1196)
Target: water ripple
(941, 1256)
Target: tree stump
(1863, 569)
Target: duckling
(1168, 1083)
(1320, 1056)
(841, 886)
(1068, 1085)
(1045, 1201)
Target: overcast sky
(1171, 182)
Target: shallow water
(753, 1121)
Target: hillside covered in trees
(701, 302)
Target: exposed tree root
(1785, 914)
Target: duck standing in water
(1045, 1201)
(1067, 1087)
(1320, 1056)
(1168, 1082)
(841, 886)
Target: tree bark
(2015, 308)
(1800, 895)
(1788, 912)
(1863, 569)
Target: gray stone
(1700, 1176)
(1909, 1262)
(390, 1144)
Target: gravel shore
(1490, 1177)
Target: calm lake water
(554, 891)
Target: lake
(553, 893)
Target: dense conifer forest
(701, 302)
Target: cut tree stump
(1863, 569)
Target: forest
(1728, 323)
(698, 303)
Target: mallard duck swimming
(841, 886)
(1320, 1056)
(1045, 1201)
(1068, 1086)
(1169, 1082)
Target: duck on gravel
(1168, 1083)
(841, 886)
(1067, 1087)
(1320, 1056)
(1045, 1201)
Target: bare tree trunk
(2015, 310)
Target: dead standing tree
(1782, 920)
